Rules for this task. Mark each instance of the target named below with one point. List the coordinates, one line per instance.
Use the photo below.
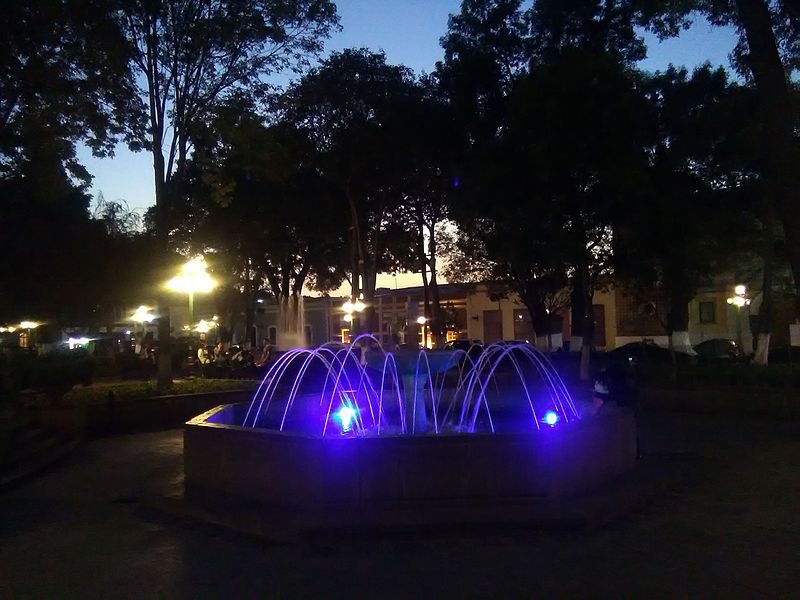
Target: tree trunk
(781, 154)
(678, 329)
(358, 253)
(164, 373)
(249, 311)
(765, 318)
(370, 315)
(585, 294)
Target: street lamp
(143, 315)
(193, 279)
(739, 299)
(421, 320)
(350, 307)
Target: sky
(408, 31)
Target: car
(719, 349)
(473, 348)
(636, 353)
(465, 345)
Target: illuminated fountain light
(550, 418)
(509, 387)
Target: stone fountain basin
(295, 471)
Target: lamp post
(143, 315)
(739, 299)
(421, 320)
(192, 279)
(351, 310)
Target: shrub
(56, 372)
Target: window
(345, 335)
(272, 334)
(707, 312)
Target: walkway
(732, 529)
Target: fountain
(357, 429)
(291, 322)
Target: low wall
(115, 416)
(294, 471)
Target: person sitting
(266, 354)
(203, 358)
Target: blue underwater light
(550, 418)
(346, 415)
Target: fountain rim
(200, 422)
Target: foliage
(131, 391)
(699, 164)
(57, 372)
(63, 78)
(352, 107)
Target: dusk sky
(409, 32)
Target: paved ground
(731, 529)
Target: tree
(570, 152)
(190, 56)
(264, 210)
(697, 167)
(351, 106)
(485, 49)
(429, 146)
(63, 78)
(767, 54)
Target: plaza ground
(731, 528)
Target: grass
(138, 390)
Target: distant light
(729, 300)
(193, 278)
(215, 318)
(29, 324)
(740, 290)
(550, 418)
(348, 318)
(204, 326)
(260, 301)
(127, 332)
(739, 302)
(359, 306)
(143, 315)
(347, 307)
(456, 181)
(346, 416)
(422, 320)
(80, 341)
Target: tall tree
(263, 208)
(190, 55)
(351, 106)
(768, 53)
(63, 79)
(569, 130)
(698, 165)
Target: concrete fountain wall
(289, 470)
